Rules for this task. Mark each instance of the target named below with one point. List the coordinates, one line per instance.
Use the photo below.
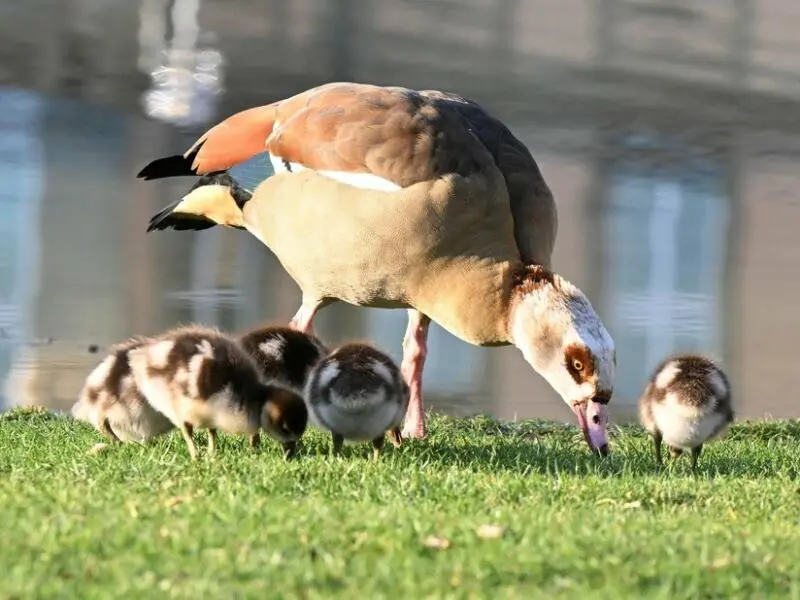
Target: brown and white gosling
(201, 378)
(284, 355)
(111, 401)
(357, 393)
(686, 403)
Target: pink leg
(304, 317)
(415, 349)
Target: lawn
(481, 509)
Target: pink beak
(592, 419)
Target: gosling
(357, 393)
(687, 403)
(111, 401)
(200, 378)
(284, 355)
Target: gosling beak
(289, 450)
(592, 418)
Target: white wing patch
(205, 352)
(273, 347)
(383, 372)
(158, 353)
(328, 374)
(667, 375)
(366, 181)
(277, 162)
(205, 349)
(97, 378)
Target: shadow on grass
(541, 447)
(755, 450)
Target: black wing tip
(169, 166)
(161, 219)
(176, 165)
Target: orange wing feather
(234, 140)
(395, 133)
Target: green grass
(143, 522)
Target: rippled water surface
(668, 132)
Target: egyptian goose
(284, 355)
(686, 403)
(111, 401)
(201, 378)
(357, 393)
(393, 198)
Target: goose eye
(577, 365)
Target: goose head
(561, 336)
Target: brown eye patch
(580, 363)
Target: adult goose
(395, 198)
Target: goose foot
(414, 425)
(415, 349)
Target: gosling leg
(338, 440)
(396, 437)
(289, 450)
(675, 452)
(695, 455)
(657, 438)
(187, 431)
(105, 429)
(212, 442)
(377, 446)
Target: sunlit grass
(144, 522)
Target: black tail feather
(177, 165)
(170, 166)
(166, 219)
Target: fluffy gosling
(357, 393)
(111, 401)
(284, 355)
(686, 403)
(201, 378)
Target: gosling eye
(577, 365)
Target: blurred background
(669, 131)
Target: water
(669, 136)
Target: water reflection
(678, 200)
(185, 70)
(665, 233)
(21, 170)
